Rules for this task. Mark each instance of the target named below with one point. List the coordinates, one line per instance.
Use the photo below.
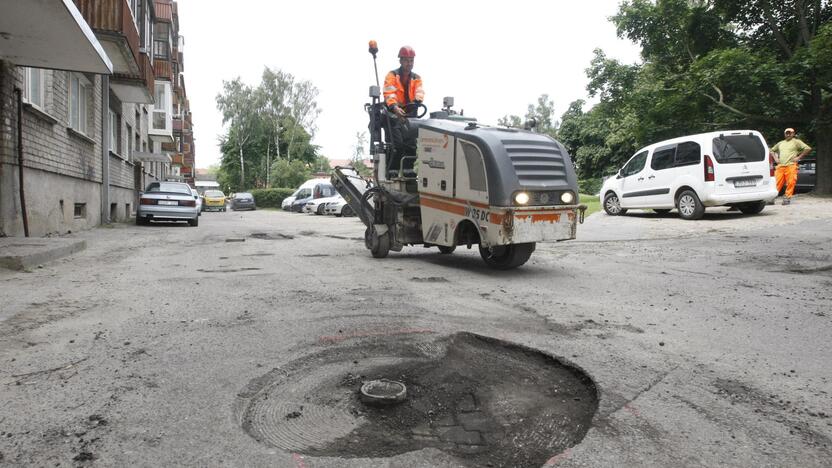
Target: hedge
(271, 198)
(590, 186)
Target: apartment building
(90, 136)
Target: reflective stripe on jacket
(395, 92)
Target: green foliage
(272, 122)
(362, 168)
(590, 186)
(708, 65)
(287, 173)
(270, 198)
(542, 113)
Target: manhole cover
(480, 399)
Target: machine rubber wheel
(689, 206)
(346, 211)
(752, 208)
(662, 211)
(379, 245)
(612, 205)
(194, 222)
(506, 257)
(446, 249)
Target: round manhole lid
(383, 392)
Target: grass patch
(592, 202)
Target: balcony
(113, 25)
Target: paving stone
(474, 421)
(471, 449)
(423, 430)
(467, 404)
(458, 435)
(425, 438)
(447, 420)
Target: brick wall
(48, 143)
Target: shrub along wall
(270, 198)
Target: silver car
(167, 201)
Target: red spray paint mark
(558, 458)
(298, 460)
(632, 410)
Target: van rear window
(738, 149)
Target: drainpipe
(19, 96)
(105, 149)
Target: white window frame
(38, 101)
(163, 108)
(114, 131)
(79, 111)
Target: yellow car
(214, 200)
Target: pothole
(270, 235)
(483, 400)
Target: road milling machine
(501, 189)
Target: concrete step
(22, 253)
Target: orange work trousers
(787, 175)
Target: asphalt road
(708, 342)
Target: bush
(270, 198)
(590, 186)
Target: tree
(303, 110)
(275, 87)
(287, 173)
(724, 63)
(238, 106)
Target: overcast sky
(495, 58)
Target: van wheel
(752, 208)
(661, 211)
(194, 222)
(506, 257)
(689, 205)
(612, 205)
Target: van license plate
(745, 183)
(168, 202)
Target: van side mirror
(620, 174)
(196, 197)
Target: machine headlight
(567, 197)
(521, 198)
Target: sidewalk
(23, 253)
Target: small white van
(727, 168)
(309, 184)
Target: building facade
(88, 143)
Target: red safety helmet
(407, 51)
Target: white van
(309, 184)
(728, 168)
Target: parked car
(167, 201)
(243, 201)
(317, 205)
(198, 201)
(321, 189)
(690, 173)
(309, 184)
(806, 174)
(339, 208)
(214, 201)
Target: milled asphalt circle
(708, 341)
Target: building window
(161, 41)
(79, 95)
(115, 132)
(159, 109)
(34, 87)
(129, 145)
(80, 210)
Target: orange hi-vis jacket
(395, 92)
